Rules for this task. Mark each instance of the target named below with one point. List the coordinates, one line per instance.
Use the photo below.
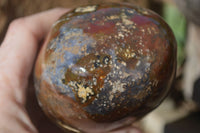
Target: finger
(19, 49)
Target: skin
(19, 110)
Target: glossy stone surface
(105, 66)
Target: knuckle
(17, 23)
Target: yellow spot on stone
(127, 22)
(120, 34)
(84, 92)
(102, 77)
(125, 19)
(118, 86)
(111, 97)
(86, 9)
(112, 17)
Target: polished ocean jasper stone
(105, 66)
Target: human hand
(19, 111)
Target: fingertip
(43, 21)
